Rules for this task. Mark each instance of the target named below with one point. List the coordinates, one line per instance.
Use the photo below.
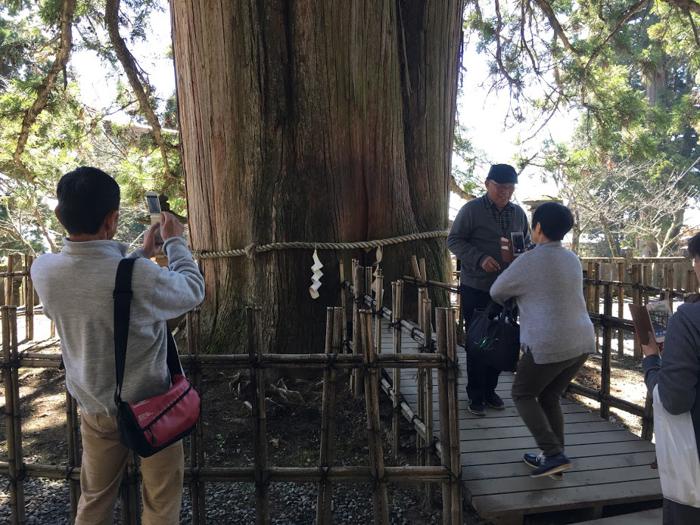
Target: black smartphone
(517, 241)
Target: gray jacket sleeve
(458, 240)
(512, 282)
(180, 287)
(678, 371)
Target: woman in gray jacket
(556, 333)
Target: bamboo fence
(363, 359)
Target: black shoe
(494, 401)
(478, 409)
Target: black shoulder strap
(122, 313)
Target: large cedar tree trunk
(325, 120)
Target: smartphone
(517, 241)
(153, 206)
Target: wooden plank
(515, 421)
(571, 479)
(590, 438)
(519, 468)
(568, 497)
(573, 452)
(645, 517)
(522, 430)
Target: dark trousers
(537, 390)
(679, 514)
(481, 378)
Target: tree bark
(313, 120)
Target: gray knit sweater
(547, 283)
(75, 288)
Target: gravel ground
(47, 502)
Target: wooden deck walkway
(611, 465)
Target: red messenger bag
(152, 424)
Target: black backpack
(493, 336)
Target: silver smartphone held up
(153, 206)
(517, 241)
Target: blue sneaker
(535, 460)
(549, 465)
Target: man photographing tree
(481, 239)
(76, 289)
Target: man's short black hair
(555, 220)
(694, 246)
(85, 197)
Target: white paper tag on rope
(377, 263)
(315, 276)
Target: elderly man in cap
(481, 238)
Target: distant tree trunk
(313, 120)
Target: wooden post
(28, 299)
(13, 421)
(441, 328)
(590, 273)
(396, 312)
(605, 362)
(376, 453)
(621, 307)
(426, 328)
(73, 433)
(257, 383)
(423, 272)
(646, 282)
(670, 281)
(334, 338)
(9, 281)
(637, 300)
(596, 301)
(197, 490)
(453, 408)
(691, 285)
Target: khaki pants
(103, 463)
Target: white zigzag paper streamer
(315, 276)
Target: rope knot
(250, 250)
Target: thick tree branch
(556, 26)
(126, 59)
(456, 188)
(59, 64)
(629, 13)
(685, 5)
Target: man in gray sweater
(75, 287)
(480, 239)
(556, 332)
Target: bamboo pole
(327, 452)
(605, 363)
(443, 386)
(646, 281)
(453, 408)
(420, 383)
(426, 307)
(343, 300)
(402, 474)
(590, 273)
(257, 380)
(28, 299)
(596, 300)
(621, 307)
(13, 427)
(197, 489)
(691, 282)
(423, 272)
(358, 277)
(396, 312)
(73, 434)
(379, 304)
(415, 268)
(376, 453)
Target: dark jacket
(678, 372)
(476, 233)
